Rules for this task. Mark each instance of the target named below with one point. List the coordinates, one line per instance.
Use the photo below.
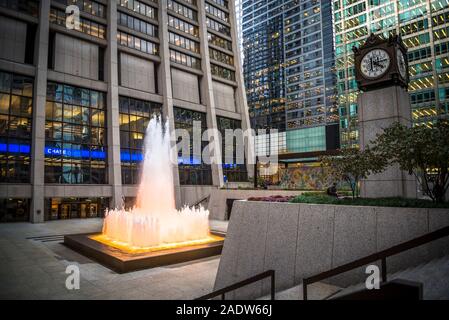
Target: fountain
(153, 232)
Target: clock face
(402, 67)
(375, 63)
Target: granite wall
(301, 240)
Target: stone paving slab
(33, 269)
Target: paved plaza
(34, 260)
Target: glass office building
(289, 76)
(75, 102)
(424, 27)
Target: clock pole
(384, 100)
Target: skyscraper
(289, 75)
(424, 27)
(75, 102)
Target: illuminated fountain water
(154, 223)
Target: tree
(352, 165)
(420, 150)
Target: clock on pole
(381, 63)
(381, 72)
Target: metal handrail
(196, 204)
(240, 284)
(381, 255)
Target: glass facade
(233, 171)
(263, 66)
(192, 171)
(307, 140)
(16, 108)
(134, 118)
(310, 80)
(289, 69)
(75, 135)
(423, 26)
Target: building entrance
(75, 208)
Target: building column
(38, 124)
(165, 89)
(207, 98)
(240, 94)
(113, 124)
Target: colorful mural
(310, 176)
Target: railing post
(222, 296)
(384, 269)
(304, 290)
(273, 286)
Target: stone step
(315, 291)
(434, 275)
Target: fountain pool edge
(123, 262)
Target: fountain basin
(122, 260)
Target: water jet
(153, 232)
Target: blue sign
(15, 148)
(75, 153)
(134, 157)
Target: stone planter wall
(301, 240)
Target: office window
(185, 59)
(183, 26)
(220, 14)
(219, 42)
(137, 43)
(183, 42)
(222, 72)
(231, 169)
(75, 135)
(138, 25)
(86, 26)
(192, 171)
(182, 10)
(30, 7)
(221, 57)
(214, 25)
(140, 8)
(16, 104)
(91, 7)
(134, 118)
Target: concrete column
(38, 125)
(113, 126)
(378, 109)
(240, 94)
(207, 98)
(165, 89)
